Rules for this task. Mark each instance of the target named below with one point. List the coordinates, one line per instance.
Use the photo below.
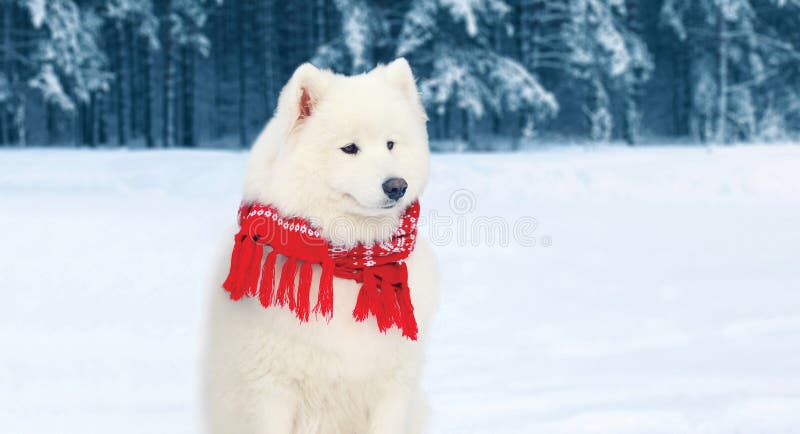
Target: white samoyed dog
(326, 155)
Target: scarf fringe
(266, 289)
(409, 322)
(286, 285)
(303, 291)
(391, 307)
(364, 301)
(324, 304)
(242, 252)
(384, 292)
(233, 276)
(253, 271)
(389, 304)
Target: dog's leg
(391, 411)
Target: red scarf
(380, 268)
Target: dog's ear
(398, 73)
(302, 93)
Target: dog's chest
(341, 347)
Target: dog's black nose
(395, 188)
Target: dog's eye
(352, 148)
(390, 144)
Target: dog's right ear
(302, 93)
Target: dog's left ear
(301, 94)
(399, 73)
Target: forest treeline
(493, 73)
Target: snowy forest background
(494, 74)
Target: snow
(358, 32)
(469, 11)
(660, 295)
(49, 85)
(38, 11)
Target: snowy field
(661, 295)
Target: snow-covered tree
(539, 35)
(779, 92)
(134, 29)
(183, 38)
(638, 74)
(368, 34)
(69, 53)
(67, 66)
(606, 53)
(449, 42)
(735, 53)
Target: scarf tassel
(238, 278)
(324, 304)
(408, 321)
(266, 289)
(286, 285)
(364, 300)
(379, 307)
(303, 291)
(253, 270)
(233, 276)
(391, 306)
(371, 300)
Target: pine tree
(604, 54)
(732, 64)
(69, 67)
(241, 56)
(636, 75)
(458, 69)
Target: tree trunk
(242, 77)
(96, 99)
(49, 123)
(168, 97)
(466, 133)
(262, 45)
(447, 122)
(5, 58)
(270, 77)
(122, 137)
(78, 124)
(218, 49)
(177, 115)
(10, 70)
(681, 90)
(188, 97)
(20, 120)
(722, 77)
(536, 23)
(597, 111)
(89, 127)
(3, 139)
(632, 117)
(133, 91)
(147, 93)
(102, 127)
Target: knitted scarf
(380, 268)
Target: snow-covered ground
(661, 293)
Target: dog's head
(342, 148)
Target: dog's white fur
(265, 372)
